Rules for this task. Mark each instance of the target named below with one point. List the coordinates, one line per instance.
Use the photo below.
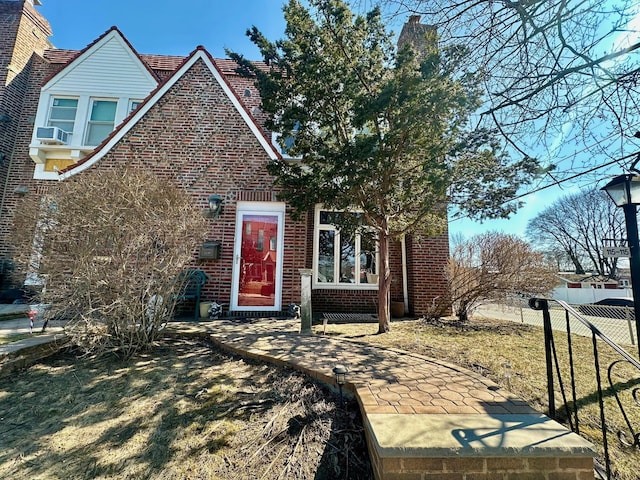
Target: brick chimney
(23, 33)
(414, 33)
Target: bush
(109, 246)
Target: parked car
(620, 307)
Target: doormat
(350, 317)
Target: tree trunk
(463, 313)
(384, 285)
(576, 262)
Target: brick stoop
(475, 447)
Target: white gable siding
(111, 69)
(108, 71)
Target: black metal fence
(591, 390)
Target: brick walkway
(423, 418)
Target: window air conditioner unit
(52, 135)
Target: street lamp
(624, 190)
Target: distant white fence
(619, 330)
(577, 296)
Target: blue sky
(165, 27)
(176, 28)
(517, 223)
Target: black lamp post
(340, 372)
(624, 190)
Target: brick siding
(195, 138)
(426, 271)
(478, 468)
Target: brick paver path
(423, 418)
(385, 380)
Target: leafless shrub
(108, 247)
(491, 265)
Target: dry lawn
(182, 411)
(490, 346)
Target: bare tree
(558, 259)
(561, 76)
(108, 247)
(491, 265)
(581, 225)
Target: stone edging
(25, 353)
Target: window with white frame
(341, 259)
(101, 120)
(63, 113)
(290, 140)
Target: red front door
(257, 263)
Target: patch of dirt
(181, 411)
(477, 325)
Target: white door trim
(258, 208)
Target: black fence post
(542, 304)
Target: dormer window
(290, 140)
(82, 104)
(101, 121)
(63, 113)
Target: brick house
(195, 122)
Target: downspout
(405, 287)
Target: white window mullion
(81, 120)
(337, 257)
(122, 110)
(357, 266)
